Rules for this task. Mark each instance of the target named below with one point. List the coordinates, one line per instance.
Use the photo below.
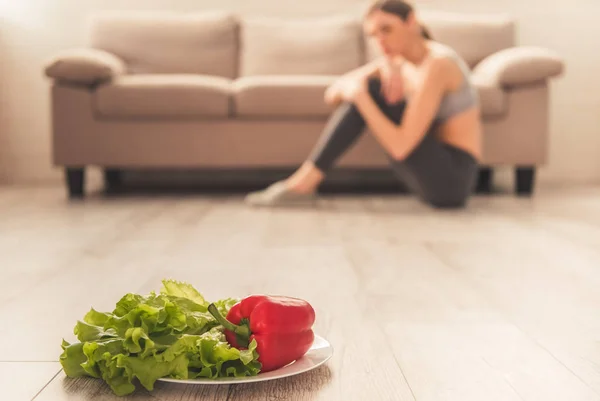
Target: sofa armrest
(520, 65)
(84, 66)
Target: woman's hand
(346, 89)
(353, 88)
(332, 94)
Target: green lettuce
(145, 338)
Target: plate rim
(257, 378)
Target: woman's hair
(398, 7)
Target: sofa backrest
(317, 45)
(473, 36)
(224, 44)
(151, 43)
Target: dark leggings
(440, 174)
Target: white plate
(317, 355)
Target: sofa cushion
(195, 43)
(318, 45)
(173, 95)
(301, 96)
(278, 96)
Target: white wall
(32, 30)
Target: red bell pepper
(281, 326)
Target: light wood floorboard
(496, 302)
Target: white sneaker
(278, 194)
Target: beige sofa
(221, 91)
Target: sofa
(217, 90)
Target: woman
(417, 101)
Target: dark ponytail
(426, 33)
(398, 7)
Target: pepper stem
(242, 332)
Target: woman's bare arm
(400, 140)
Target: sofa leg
(485, 180)
(113, 178)
(75, 179)
(524, 180)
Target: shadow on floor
(227, 182)
(238, 183)
(222, 182)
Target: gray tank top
(463, 98)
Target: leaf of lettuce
(148, 370)
(137, 341)
(127, 303)
(115, 376)
(88, 332)
(98, 353)
(183, 290)
(72, 358)
(96, 318)
(223, 305)
(213, 354)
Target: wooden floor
(497, 302)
